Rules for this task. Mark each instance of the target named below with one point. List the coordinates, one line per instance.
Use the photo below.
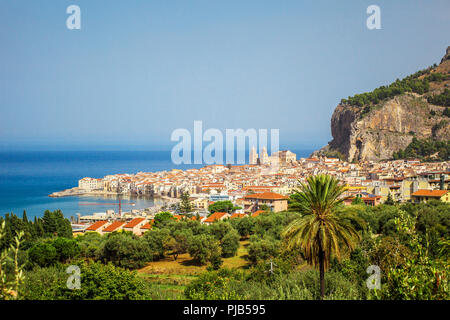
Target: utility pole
(118, 195)
(271, 266)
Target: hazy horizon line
(127, 147)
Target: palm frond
(320, 228)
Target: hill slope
(372, 126)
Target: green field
(168, 278)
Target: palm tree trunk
(322, 273)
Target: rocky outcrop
(447, 55)
(388, 127)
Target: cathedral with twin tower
(283, 157)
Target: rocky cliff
(373, 126)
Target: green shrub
(66, 249)
(125, 250)
(262, 250)
(155, 240)
(230, 244)
(204, 248)
(305, 285)
(442, 99)
(423, 149)
(421, 277)
(214, 285)
(43, 254)
(222, 206)
(98, 282)
(226, 284)
(43, 283)
(219, 229)
(245, 226)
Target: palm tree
(320, 232)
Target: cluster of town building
(261, 184)
(139, 225)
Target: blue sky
(137, 70)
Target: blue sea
(28, 177)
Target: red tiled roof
(113, 226)
(257, 213)
(147, 226)
(133, 223)
(96, 225)
(430, 193)
(266, 196)
(215, 216)
(238, 215)
(258, 187)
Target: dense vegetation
(410, 244)
(98, 282)
(47, 248)
(424, 149)
(51, 224)
(222, 206)
(321, 232)
(411, 83)
(442, 99)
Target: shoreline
(78, 192)
(73, 192)
(157, 205)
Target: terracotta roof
(215, 216)
(266, 196)
(133, 223)
(258, 187)
(430, 193)
(371, 198)
(113, 226)
(147, 226)
(96, 225)
(238, 215)
(257, 213)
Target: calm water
(27, 178)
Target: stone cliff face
(389, 126)
(383, 131)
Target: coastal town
(263, 184)
(237, 159)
